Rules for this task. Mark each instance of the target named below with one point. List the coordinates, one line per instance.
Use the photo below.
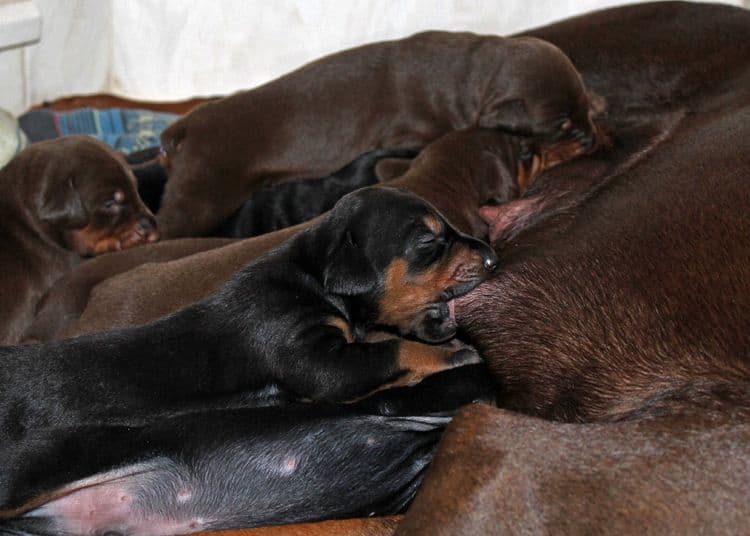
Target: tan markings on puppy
(407, 295)
(94, 240)
(552, 155)
(342, 325)
(420, 360)
(558, 153)
(528, 174)
(433, 224)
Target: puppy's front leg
(341, 368)
(418, 360)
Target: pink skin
(106, 502)
(504, 219)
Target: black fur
(282, 205)
(234, 466)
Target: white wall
(174, 49)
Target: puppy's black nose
(490, 263)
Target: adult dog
(639, 302)
(675, 474)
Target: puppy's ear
(61, 204)
(348, 272)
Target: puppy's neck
(312, 251)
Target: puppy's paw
(107, 245)
(418, 360)
(466, 356)
(462, 353)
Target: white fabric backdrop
(174, 49)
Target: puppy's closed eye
(426, 249)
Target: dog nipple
(183, 496)
(196, 524)
(289, 465)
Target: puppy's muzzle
(478, 262)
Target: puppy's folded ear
(348, 272)
(61, 204)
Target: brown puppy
(502, 473)
(466, 169)
(457, 174)
(402, 93)
(154, 289)
(62, 199)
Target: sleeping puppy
(296, 318)
(282, 205)
(62, 200)
(402, 93)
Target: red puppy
(62, 199)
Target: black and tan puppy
(403, 93)
(62, 199)
(295, 318)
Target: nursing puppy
(223, 469)
(62, 200)
(389, 94)
(295, 318)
